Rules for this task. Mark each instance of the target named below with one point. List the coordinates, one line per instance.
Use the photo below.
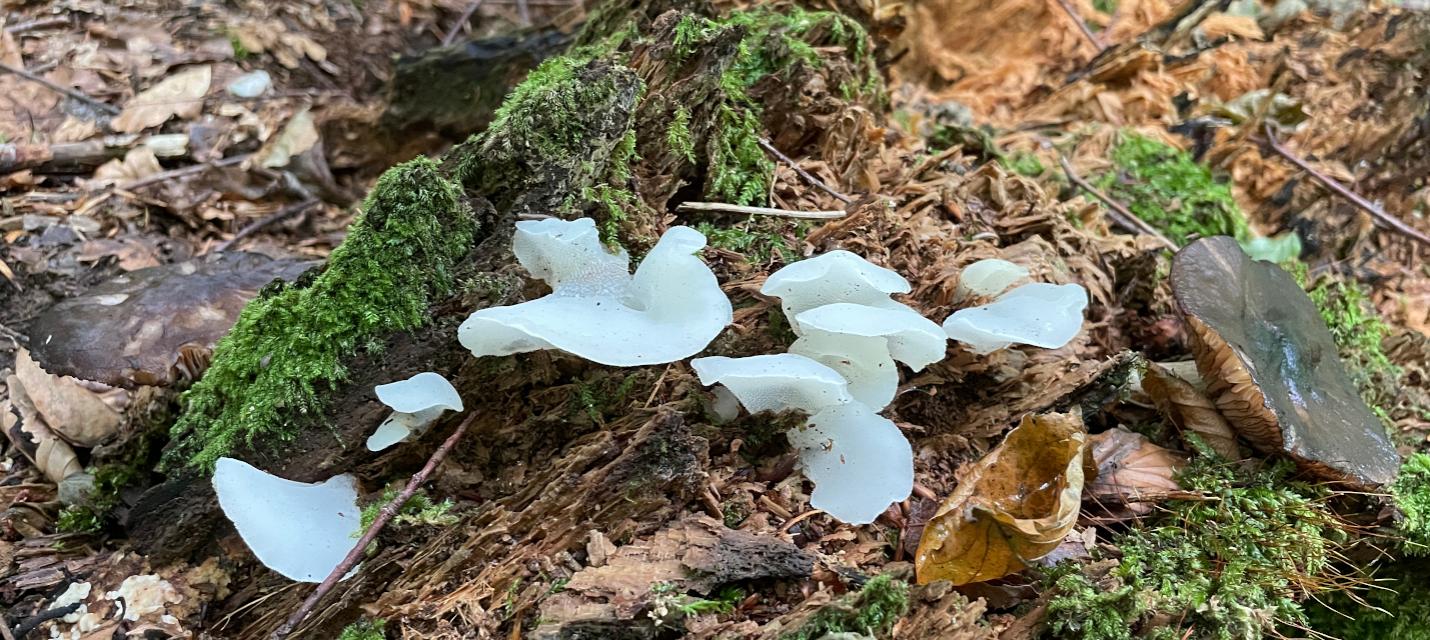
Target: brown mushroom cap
(152, 326)
(1272, 367)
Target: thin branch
(720, 207)
(1341, 190)
(102, 106)
(451, 36)
(164, 176)
(1082, 25)
(38, 23)
(1116, 210)
(275, 217)
(42, 617)
(384, 515)
(808, 177)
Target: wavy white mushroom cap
(859, 461)
(1041, 314)
(299, 530)
(989, 277)
(775, 382)
(837, 276)
(670, 310)
(416, 402)
(862, 342)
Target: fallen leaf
(1190, 410)
(178, 95)
(299, 135)
(1010, 508)
(73, 412)
(1130, 467)
(28, 432)
(139, 162)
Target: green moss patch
(288, 347)
(1164, 186)
(871, 611)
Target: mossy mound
(271, 371)
(1164, 186)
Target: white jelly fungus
(416, 403)
(670, 309)
(1040, 314)
(988, 277)
(837, 276)
(862, 343)
(300, 530)
(858, 460)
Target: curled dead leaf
(1130, 468)
(179, 95)
(1012, 507)
(72, 411)
(28, 432)
(1190, 410)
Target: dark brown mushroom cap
(152, 326)
(1272, 367)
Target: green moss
(677, 135)
(1230, 567)
(1024, 163)
(1411, 492)
(1359, 332)
(289, 345)
(1085, 610)
(871, 611)
(1166, 187)
(418, 510)
(80, 519)
(365, 630)
(1396, 608)
(759, 240)
(240, 52)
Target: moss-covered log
(658, 106)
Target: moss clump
(1359, 332)
(1228, 567)
(677, 135)
(872, 611)
(758, 240)
(771, 43)
(1166, 187)
(289, 344)
(364, 630)
(1411, 491)
(1397, 608)
(419, 509)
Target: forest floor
(1083, 140)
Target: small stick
(1341, 190)
(720, 207)
(808, 177)
(40, 618)
(1082, 26)
(276, 216)
(183, 171)
(1119, 212)
(384, 515)
(461, 22)
(38, 23)
(105, 107)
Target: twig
(1082, 26)
(808, 177)
(461, 22)
(276, 216)
(38, 23)
(105, 107)
(1341, 190)
(40, 618)
(163, 176)
(1116, 210)
(524, 12)
(384, 515)
(720, 207)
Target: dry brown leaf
(1130, 467)
(299, 135)
(178, 95)
(71, 411)
(1190, 410)
(28, 432)
(139, 162)
(1012, 507)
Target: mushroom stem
(384, 515)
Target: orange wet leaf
(1011, 507)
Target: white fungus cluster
(1040, 314)
(670, 309)
(299, 530)
(841, 372)
(416, 403)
